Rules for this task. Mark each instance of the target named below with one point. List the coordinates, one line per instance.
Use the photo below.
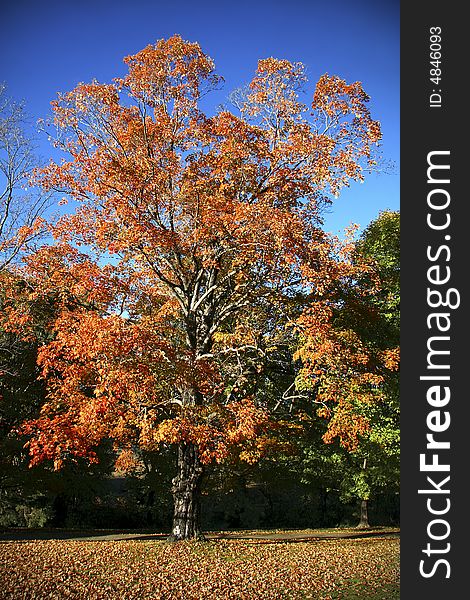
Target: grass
(355, 591)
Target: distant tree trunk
(187, 495)
(323, 506)
(364, 520)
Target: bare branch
(20, 208)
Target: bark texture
(187, 495)
(364, 520)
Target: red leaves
(58, 438)
(215, 430)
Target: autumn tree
(186, 239)
(351, 362)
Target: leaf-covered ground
(346, 569)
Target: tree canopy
(191, 251)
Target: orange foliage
(345, 373)
(186, 222)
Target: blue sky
(47, 47)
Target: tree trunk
(187, 495)
(364, 520)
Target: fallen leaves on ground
(222, 570)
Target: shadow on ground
(18, 534)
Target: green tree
(352, 367)
(380, 242)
